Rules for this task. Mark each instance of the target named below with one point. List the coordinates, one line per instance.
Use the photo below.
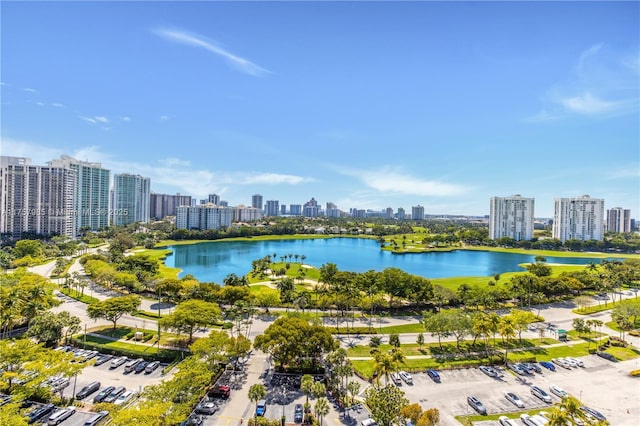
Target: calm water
(211, 262)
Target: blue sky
(364, 104)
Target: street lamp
(284, 402)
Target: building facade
(417, 212)
(214, 199)
(256, 201)
(511, 217)
(579, 218)
(243, 213)
(163, 205)
(131, 199)
(619, 220)
(204, 216)
(92, 192)
(36, 199)
(272, 208)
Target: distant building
(243, 213)
(283, 209)
(511, 217)
(224, 203)
(311, 208)
(206, 216)
(619, 220)
(214, 199)
(36, 199)
(417, 212)
(272, 208)
(295, 209)
(578, 219)
(332, 210)
(163, 205)
(400, 215)
(388, 213)
(131, 199)
(256, 201)
(92, 194)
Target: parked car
(529, 366)
(506, 421)
(558, 391)
(193, 420)
(406, 377)
(298, 415)
(577, 361)
(489, 371)
(514, 399)
(61, 415)
(117, 362)
(527, 420)
(40, 412)
(476, 405)
(131, 365)
(140, 367)
(114, 394)
(548, 365)
(606, 356)
(88, 390)
(261, 407)
(593, 413)
(102, 359)
(96, 418)
(571, 361)
(103, 394)
(151, 367)
(220, 391)
(395, 378)
(435, 376)
(540, 393)
(562, 363)
(126, 396)
(517, 368)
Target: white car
(506, 421)
(562, 363)
(531, 420)
(124, 397)
(540, 393)
(558, 391)
(577, 361)
(572, 362)
(406, 377)
(514, 399)
(395, 378)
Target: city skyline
(366, 105)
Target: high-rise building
(283, 209)
(332, 210)
(204, 216)
(401, 214)
(511, 217)
(243, 213)
(295, 209)
(92, 193)
(163, 205)
(215, 199)
(272, 208)
(388, 213)
(417, 212)
(578, 219)
(131, 199)
(36, 199)
(256, 201)
(311, 208)
(619, 220)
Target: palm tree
(296, 256)
(507, 329)
(384, 366)
(256, 393)
(306, 386)
(567, 413)
(482, 327)
(321, 408)
(302, 258)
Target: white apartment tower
(417, 212)
(511, 217)
(204, 216)
(131, 199)
(272, 208)
(36, 199)
(578, 219)
(619, 220)
(256, 201)
(92, 194)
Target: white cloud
(241, 64)
(101, 118)
(174, 162)
(17, 148)
(388, 181)
(589, 104)
(164, 117)
(126, 119)
(30, 90)
(2, 83)
(40, 104)
(632, 171)
(88, 119)
(275, 179)
(586, 55)
(542, 116)
(57, 105)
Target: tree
(321, 408)
(256, 393)
(48, 327)
(386, 404)
(212, 349)
(430, 417)
(394, 340)
(384, 365)
(10, 415)
(420, 340)
(412, 412)
(507, 330)
(190, 315)
(158, 413)
(113, 309)
(306, 386)
(354, 388)
(567, 413)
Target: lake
(213, 261)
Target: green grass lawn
(602, 307)
(160, 255)
(120, 332)
(74, 294)
(623, 354)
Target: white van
(131, 365)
